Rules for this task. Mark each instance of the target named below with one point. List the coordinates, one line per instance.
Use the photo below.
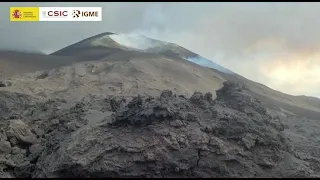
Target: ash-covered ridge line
(148, 44)
(141, 43)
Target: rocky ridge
(143, 136)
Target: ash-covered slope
(92, 48)
(143, 136)
(101, 44)
(13, 63)
(300, 105)
(120, 73)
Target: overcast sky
(276, 44)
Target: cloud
(294, 73)
(273, 43)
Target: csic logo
(55, 13)
(78, 13)
(16, 14)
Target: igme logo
(78, 13)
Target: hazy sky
(276, 44)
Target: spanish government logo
(16, 14)
(24, 13)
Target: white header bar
(70, 14)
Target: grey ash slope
(116, 70)
(103, 42)
(86, 45)
(106, 40)
(301, 105)
(81, 43)
(97, 119)
(13, 63)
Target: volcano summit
(116, 105)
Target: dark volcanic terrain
(99, 108)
